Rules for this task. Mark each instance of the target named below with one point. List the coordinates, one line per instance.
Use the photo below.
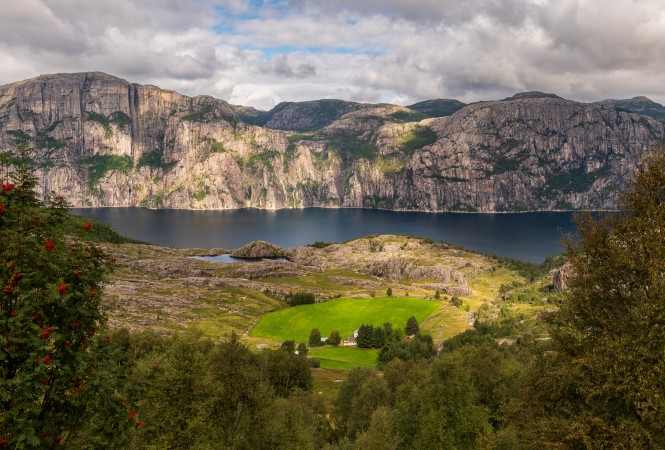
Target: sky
(262, 52)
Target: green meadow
(344, 315)
(345, 357)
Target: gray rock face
(102, 141)
(562, 277)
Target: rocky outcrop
(258, 250)
(102, 141)
(562, 276)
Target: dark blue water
(527, 236)
(226, 258)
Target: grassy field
(345, 357)
(344, 315)
(327, 383)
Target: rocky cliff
(102, 141)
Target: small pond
(226, 258)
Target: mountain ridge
(106, 142)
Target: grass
(417, 138)
(345, 358)
(344, 315)
(327, 383)
(446, 323)
(99, 165)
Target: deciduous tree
(604, 380)
(58, 379)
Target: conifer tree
(411, 326)
(315, 338)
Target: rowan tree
(57, 379)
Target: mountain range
(102, 141)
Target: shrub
(300, 298)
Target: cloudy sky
(261, 52)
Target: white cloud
(373, 50)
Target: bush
(300, 298)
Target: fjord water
(527, 236)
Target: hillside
(165, 289)
(106, 142)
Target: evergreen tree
(288, 346)
(302, 349)
(388, 329)
(334, 338)
(379, 338)
(411, 326)
(365, 337)
(315, 338)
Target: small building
(351, 341)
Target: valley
(446, 288)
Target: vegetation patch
(344, 315)
(419, 137)
(154, 159)
(101, 119)
(217, 147)
(575, 180)
(43, 140)
(202, 115)
(345, 357)
(320, 244)
(389, 166)
(99, 165)
(438, 108)
(20, 136)
(507, 164)
(408, 116)
(353, 146)
(120, 119)
(266, 158)
(463, 207)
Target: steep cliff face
(102, 141)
